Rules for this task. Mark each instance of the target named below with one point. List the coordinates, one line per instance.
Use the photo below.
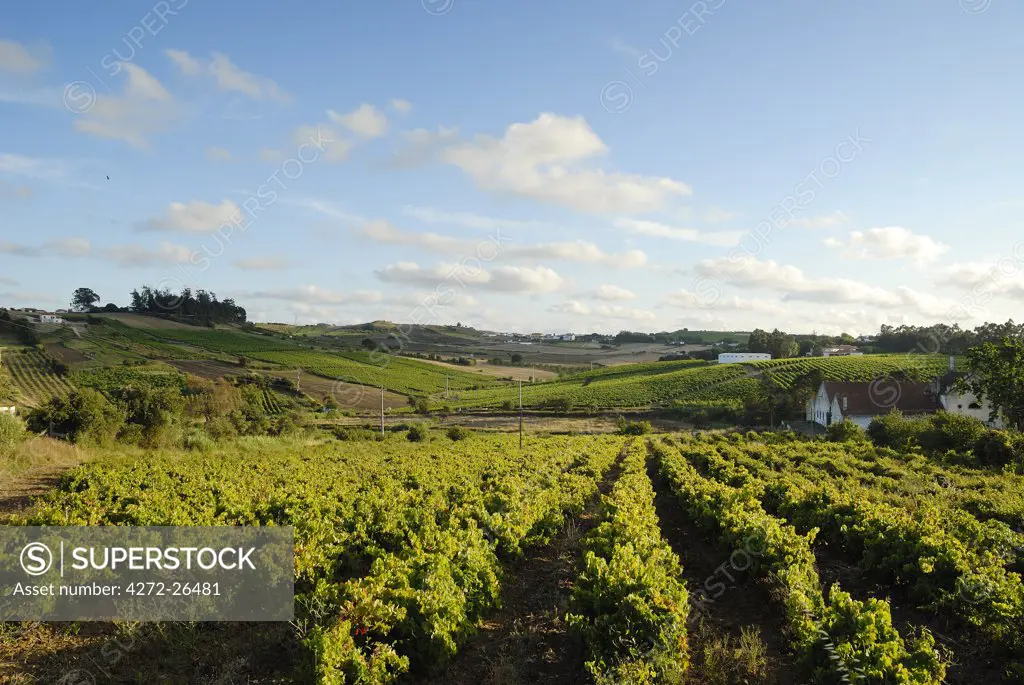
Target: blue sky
(581, 165)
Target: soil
(17, 495)
(744, 603)
(528, 640)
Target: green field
(33, 375)
(860, 368)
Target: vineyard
(855, 368)
(883, 567)
(108, 379)
(34, 376)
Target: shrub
(844, 431)
(945, 431)
(997, 448)
(12, 432)
(458, 433)
(633, 427)
(417, 433)
(84, 416)
(197, 440)
(353, 434)
(895, 431)
(507, 405)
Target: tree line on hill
(202, 307)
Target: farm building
(862, 402)
(9, 410)
(735, 357)
(841, 351)
(568, 337)
(965, 403)
(50, 318)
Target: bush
(633, 427)
(417, 433)
(458, 433)
(353, 434)
(197, 441)
(507, 405)
(894, 431)
(945, 431)
(84, 416)
(12, 432)
(845, 431)
(559, 404)
(997, 448)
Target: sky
(584, 166)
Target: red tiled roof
(882, 396)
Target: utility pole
(520, 413)
(298, 380)
(446, 386)
(382, 411)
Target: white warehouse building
(736, 357)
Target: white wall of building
(735, 357)
(957, 403)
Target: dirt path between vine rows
(974, 658)
(722, 608)
(528, 641)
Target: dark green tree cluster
(943, 338)
(201, 307)
(778, 344)
(20, 327)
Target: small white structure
(965, 403)
(50, 318)
(841, 351)
(736, 357)
(13, 411)
(568, 337)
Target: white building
(50, 318)
(736, 357)
(863, 402)
(569, 337)
(13, 411)
(965, 403)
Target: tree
(368, 344)
(996, 372)
(84, 299)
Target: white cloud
(194, 217)
(46, 169)
(69, 247)
(323, 207)
(659, 230)
(716, 215)
(315, 295)
(613, 293)
(979, 281)
(136, 256)
(366, 121)
(421, 146)
(688, 299)
(891, 242)
(625, 313)
(470, 220)
(15, 58)
(519, 279)
(144, 108)
(572, 307)
(542, 160)
(219, 154)
(263, 264)
(335, 147)
(833, 220)
(227, 76)
(401, 106)
(488, 248)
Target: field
(723, 558)
(33, 375)
(860, 368)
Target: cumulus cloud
(335, 147)
(431, 215)
(510, 279)
(138, 256)
(613, 293)
(572, 307)
(614, 311)
(16, 58)
(716, 215)
(366, 121)
(193, 217)
(263, 264)
(315, 295)
(545, 160)
(144, 108)
(227, 76)
(891, 242)
(659, 230)
(491, 247)
(61, 247)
